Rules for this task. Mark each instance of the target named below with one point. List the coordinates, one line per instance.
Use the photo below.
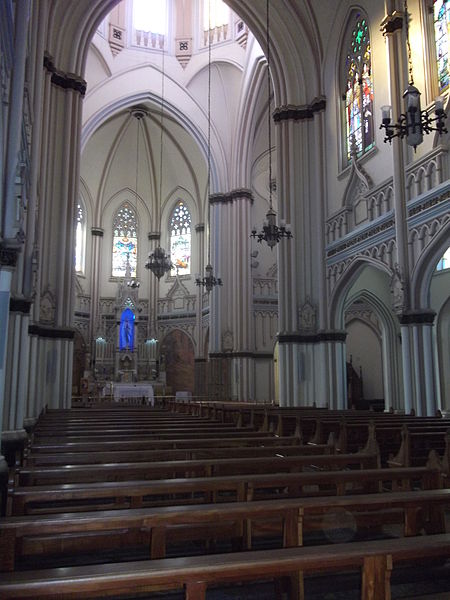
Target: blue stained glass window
(359, 89)
(124, 242)
(441, 12)
(180, 239)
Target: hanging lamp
(271, 233)
(209, 281)
(159, 261)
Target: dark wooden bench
(136, 494)
(204, 467)
(416, 446)
(41, 534)
(375, 559)
(153, 444)
(117, 456)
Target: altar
(134, 390)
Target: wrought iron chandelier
(133, 282)
(413, 123)
(271, 233)
(159, 262)
(209, 281)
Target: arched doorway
(177, 351)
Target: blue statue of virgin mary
(126, 337)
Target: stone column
(308, 349)
(59, 180)
(241, 297)
(419, 354)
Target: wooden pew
(117, 456)
(41, 534)
(175, 443)
(375, 559)
(415, 445)
(204, 467)
(136, 494)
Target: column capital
(392, 23)
(97, 231)
(154, 235)
(8, 256)
(199, 228)
(289, 112)
(67, 81)
(299, 337)
(225, 197)
(424, 316)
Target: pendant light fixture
(133, 282)
(271, 233)
(209, 280)
(159, 261)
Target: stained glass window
(444, 263)
(359, 89)
(180, 239)
(441, 12)
(80, 238)
(124, 241)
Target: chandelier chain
(268, 103)
(408, 45)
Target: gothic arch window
(358, 87)
(180, 239)
(124, 241)
(441, 25)
(80, 238)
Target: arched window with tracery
(180, 239)
(124, 241)
(358, 94)
(80, 238)
(441, 25)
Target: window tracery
(80, 238)
(180, 239)
(358, 95)
(124, 241)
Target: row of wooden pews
(99, 488)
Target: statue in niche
(397, 289)
(126, 332)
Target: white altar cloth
(134, 390)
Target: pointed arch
(180, 238)
(125, 241)
(356, 86)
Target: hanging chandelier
(414, 122)
(159, 262)
(271, 233)
(209, 281)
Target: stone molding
(223, 198)
(299, 113)
(20, 305)
(312, 338)
(8, 256)
(417, 317)
(51, 332)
